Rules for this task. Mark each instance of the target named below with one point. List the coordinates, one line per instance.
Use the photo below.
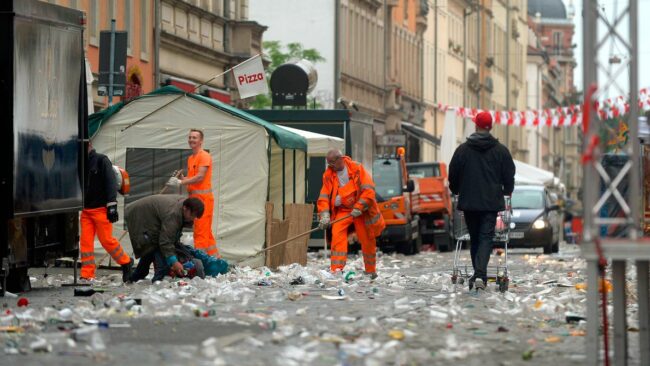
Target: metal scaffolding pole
(606, 193)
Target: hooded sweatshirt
(481, 173)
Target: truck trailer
(43, 101)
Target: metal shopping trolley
(499, 272)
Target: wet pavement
(411, 315)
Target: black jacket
(481, 172)
(100, 183)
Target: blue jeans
(160, 267)
(480, 225)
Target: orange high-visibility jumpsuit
(94, 221)
(203, 237)
(358, 193)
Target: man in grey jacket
(155, 224)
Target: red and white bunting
(556, 117)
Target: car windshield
(387, 177)
(424, 171)
(527, 199)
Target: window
(557, 41)
(527, 199)
(144, 29)
(428, 171)
(128, 21)
(149, 170)
(93, 21)
(388, 179)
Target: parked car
(536, 219)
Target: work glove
(111, 212)
(337, 201)
(356, 212)
(324, 221)
(174, 182)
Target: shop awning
(419, 132)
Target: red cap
(484, 120)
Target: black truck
(43, 104)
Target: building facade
(373, 55)
(137, 18)
(200, 39)
(551, 24)
(475, 57)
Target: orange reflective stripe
(363, 203)
(336, 261)
(374, 219)
(367, 186)
(340, 254)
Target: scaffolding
(631, 247)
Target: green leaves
(279, 54)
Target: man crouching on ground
(155, 225)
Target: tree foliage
(279, 54)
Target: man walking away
(348, 190)
(481, 173)
(98, 215)
(155, 225)
(199, 184)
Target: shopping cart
(499, 272)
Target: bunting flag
(556, 117)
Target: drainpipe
(435, 78)
(465, 15)
(478, 51)
(508, 68)
(158, 22)
(337, 52)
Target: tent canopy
(419, 133)
(318, 144)
(254, 161)
(284, 139)
(529, 174)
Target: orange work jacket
(358, 193)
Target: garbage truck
(43, 102)
(432, 203)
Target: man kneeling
(155, 225)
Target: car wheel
(417, 244)
(445, 241)
(556, 247)
(18, 280)
(548, 248)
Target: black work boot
(127, 269)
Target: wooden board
(279, 231)
(299, 217)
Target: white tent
(318, 144)
(253, 161)
(529, 174)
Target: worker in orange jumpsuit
(348, 195)
(99, 214)
(199, 184)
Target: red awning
(219, 95)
